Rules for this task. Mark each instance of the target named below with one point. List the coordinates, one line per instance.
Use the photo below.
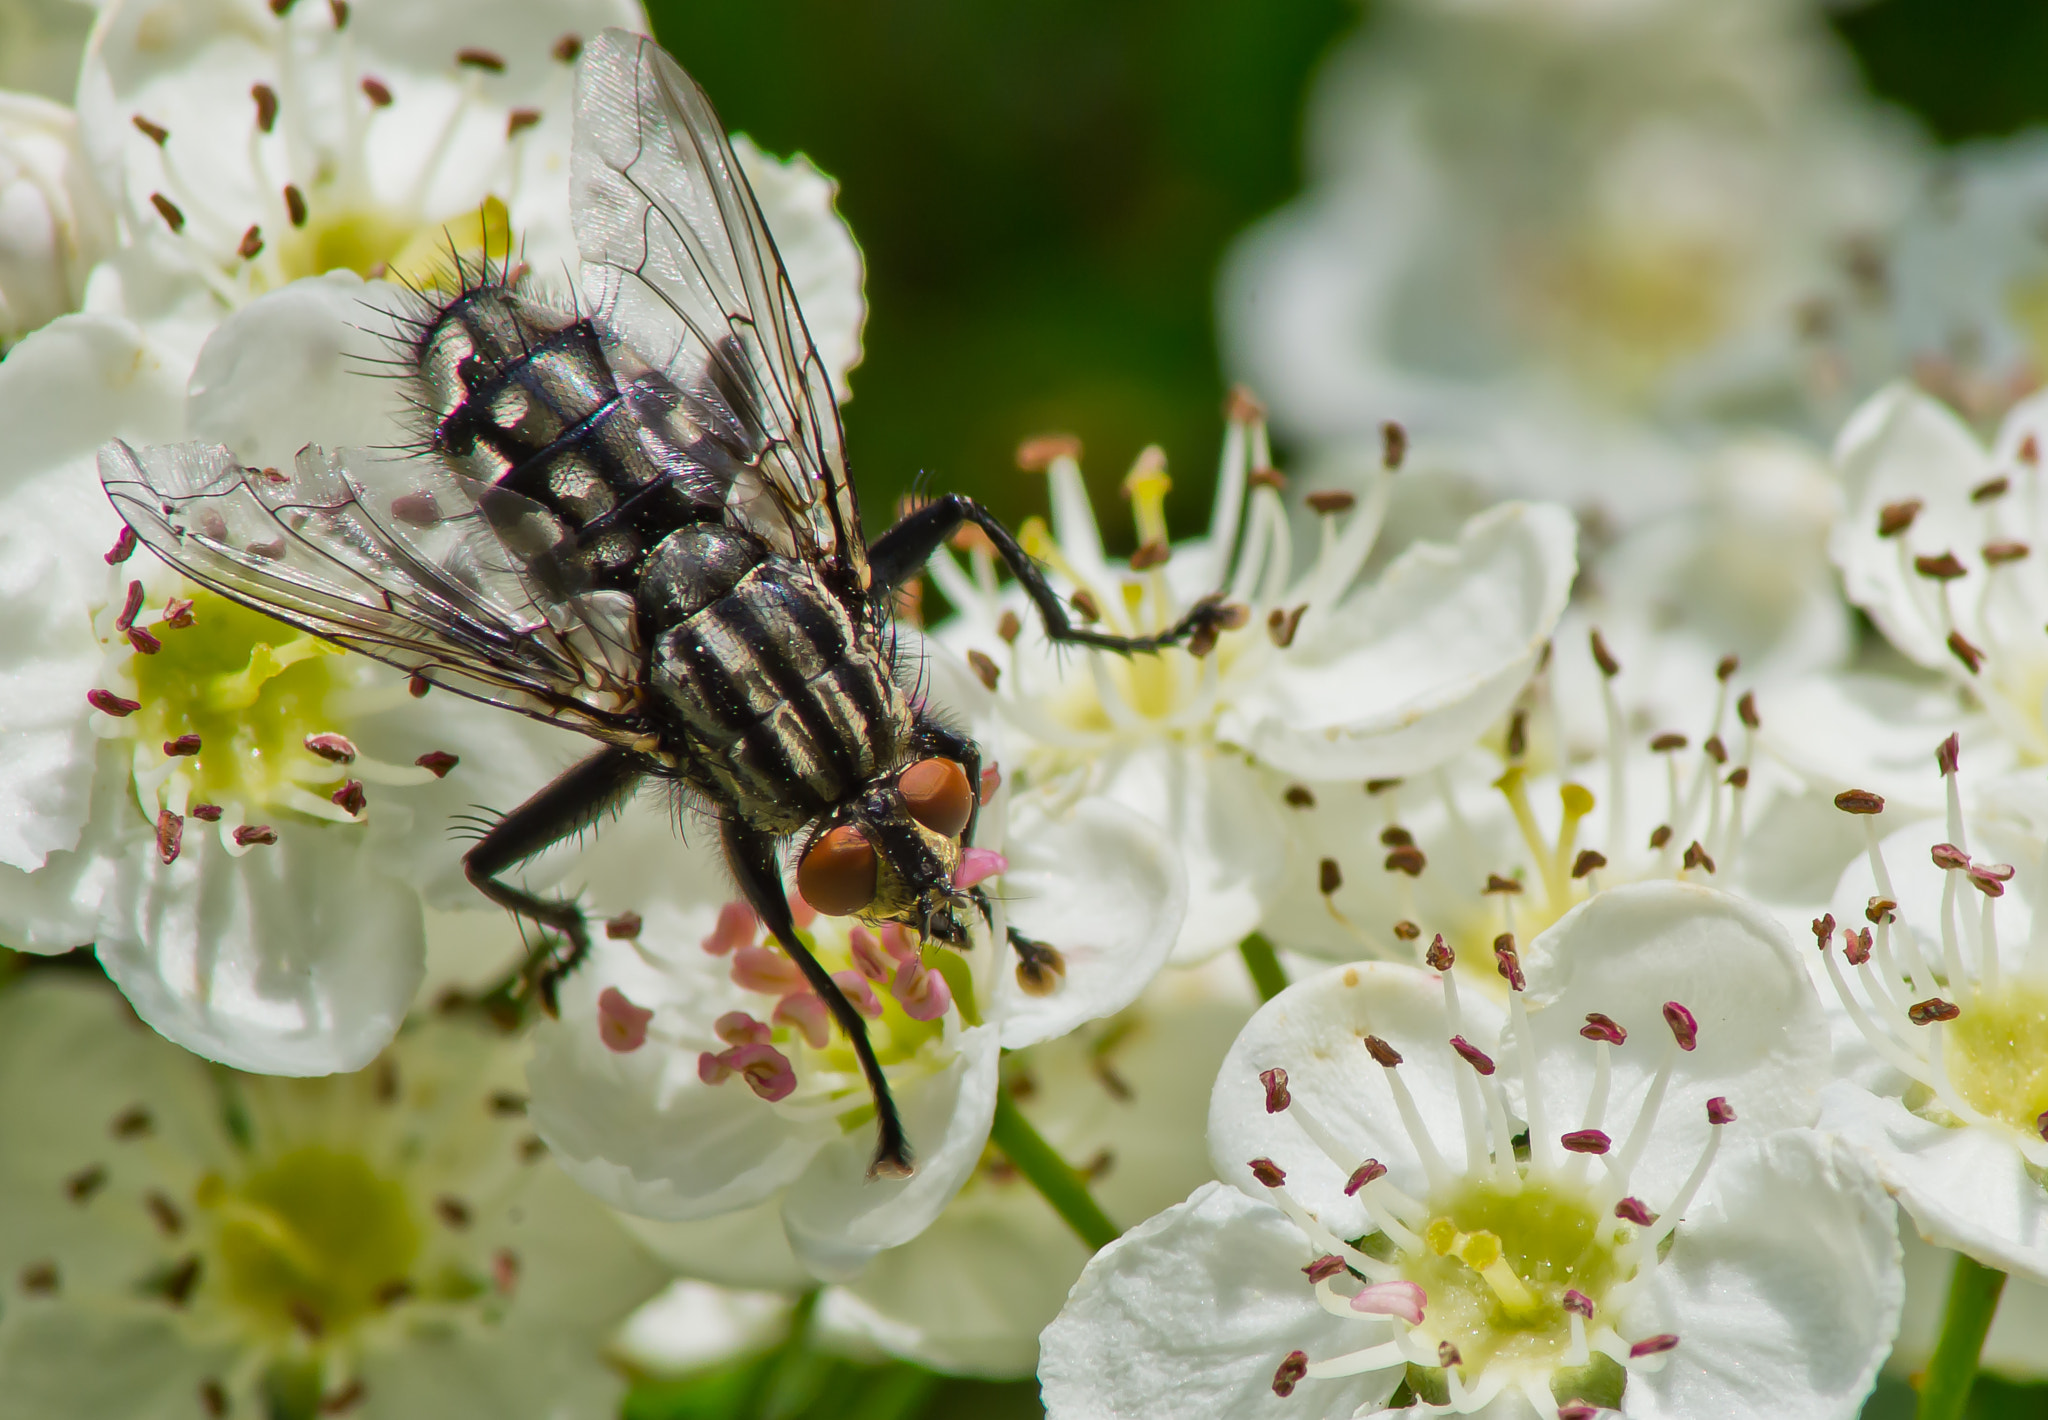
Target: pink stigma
(621, 1025)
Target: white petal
(85, 1360)
(745, 1248)
(54, 222)
(693, 1325)
(818, 250)
(1096, 884)
(1784, 1296)
(1188, 1315)
(1968, 1189)
(1408, 673)
(838, 1217)
(1859, 731)
(294, 959)
(1763, 1043)
(1903, 445)
(1314, 1031)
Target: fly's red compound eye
(837, 875)
(937, 794)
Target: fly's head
(892, 854)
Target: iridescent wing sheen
(398, 558)
(678, 263)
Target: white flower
(691, 1074)
(1544, 303)
(693, 1325)
(54, 223)
(1322, 677)
(241, 819)
(180, 1240)
(817, 249)
(1385, 1225)
(1941, 968)
(247, 148)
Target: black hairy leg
(898, 554)
(1040, 967)
(752, 857)
(576, 799)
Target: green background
(1042, 190)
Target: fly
(634, 520)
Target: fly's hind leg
(576, 799)
(897, 554)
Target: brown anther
(266, 106)
(1440, 957)
(1395, 836)
(124, 547)
(1281, 625)
(1719, 1111)
(1880, 909)
(1380, 786)
(1669, 740)
(1331, 500)
(1941, 566)
(1518, 734)
(985, 670)
(1448, 1355)
(338, 9)
(1587, 861)
(452, 1211)
(624, 927)
(568, 49)
(1684, 1029)
(1234, 616)
(1407, 859)
(1393, 446)
(1275, 1081)
(1586, 1141)
(1631, 1210)
(81, 1186)
(1745, 709)
(168, 210)
(1602, 1027)
(1725, 668)
(251, 244)
(417, 685)
(1267, 1172)
(482, 59)
(1271, 478)
(1714, 749)
(1577, 1301)
(1856, 946)
(130, 604)
(519, 120)
(1407, 931)
(142, 642)
(1329, 877)
(1859, 801)
(1324, 1268)
(1660, 835)
(255, 835)
(170, 835)
(335, 749)
(1298, 796)
(1241, 406)
(1365, 1173)
(184, 744)
(1293, 1367)
(1968, 654)
(1381, 1052)
(1508, 962)
(1036, 455)
(349, 798)
(154, 132)
(1739, 779)
(1824, 930)
(1008, 627)
(2029, 451)
(213, 1398)
(1203, 640)
(169, 1221)
(1084, 603)
(397, 1290)
(377, 92)
(1040, 968)
(39, 1279)
(437, 762)
(132, 1122)
(177, 613)
(295, 204)
(1697, 857)
(1989, 879)
(1997, 554)
(175, 1285)
(279, 7)
(1895, 518)
(1149, 555)
(1496, 883)
(1948, 755)
(1602, 657)
(1990, 488)
(205, 813)
(1472, 1055)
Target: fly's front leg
(1040, 967)
(898, 553)
(573, 802)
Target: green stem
(1059, 1181)
(1972, 1301)
(1264, 964)
(774, 1368)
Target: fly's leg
(897, 554)
(751, 855)
(1040, 967)
(579, 797)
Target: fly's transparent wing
(397, 558)
(679, 263)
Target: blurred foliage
(1990, 1399)
(1042, 189)
(1967, 68)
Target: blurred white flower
(692, 1075)
(1389, 1226)
(1545, 245)
(54, 222)
(693, 1325)
(179, 1240)
(1322, 675)
(1939, 974)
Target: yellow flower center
(1996, 1054)
(373, 241)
